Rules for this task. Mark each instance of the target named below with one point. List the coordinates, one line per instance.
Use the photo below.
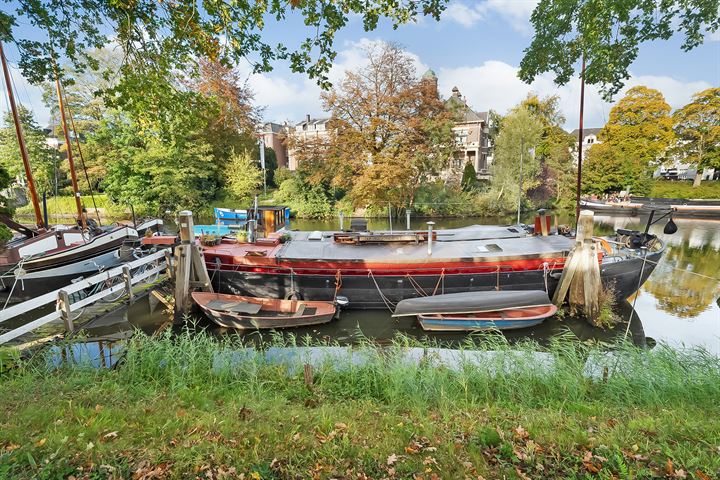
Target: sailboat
(45, 259)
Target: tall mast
(21, 142)
(68, 145)
(580, 140)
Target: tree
(697, 126)
(42, 157)
(519, 136)
(557, 172)
(636, 137)
(232, 119)
(150, 171)
(389, 130)
(244, 177)
(608, 35)
(166, 35)
(469, 177)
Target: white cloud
(515, 12)
(460, 13)
(289, 96)
(495, 85)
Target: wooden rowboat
(253, 313)
(493, 320)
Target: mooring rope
(441, 279)
(389, 304)
(19, 266)
(681, 269)
(637, 291)
(338, 283)
(418, 288)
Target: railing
(130, 272)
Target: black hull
(37, 283)
(362, 292)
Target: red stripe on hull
(352, 268)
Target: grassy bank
(685, 189)
(190, 405)
(65, 206)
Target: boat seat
(234, 307)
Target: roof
(313, 121)
(271, 127)
(586, 131)
(429, 75)
(467, 114)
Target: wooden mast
(580, 141)
(68, 145)
(21, 142)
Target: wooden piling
(581, 275)
(64, 300)
(127, 276)
(190, 270)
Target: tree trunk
(698, 178)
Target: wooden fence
(131, 273)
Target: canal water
(678, 305)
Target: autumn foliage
(389, 132)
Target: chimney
(307, 118)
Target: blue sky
(477, 47)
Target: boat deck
(460, 245)
(492, 249)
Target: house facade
(470, 132)
(590, 138)
(273, 135)
(471, 136)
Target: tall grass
(485, 370)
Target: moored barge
(377, 270)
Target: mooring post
(407, 219)
(342, 221)
(581, 275)
(183, 253)
(127, 276)
(169, 267)
(64, 300)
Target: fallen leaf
(680, 473)
(520, 432)
(110, 435)
(98, 408)
(41, 442)
(11, 447)
(701, 475)
(341, 426)
(181, 412)
(89, 446)
(391, 459)
(669, 468)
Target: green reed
(485, 369)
